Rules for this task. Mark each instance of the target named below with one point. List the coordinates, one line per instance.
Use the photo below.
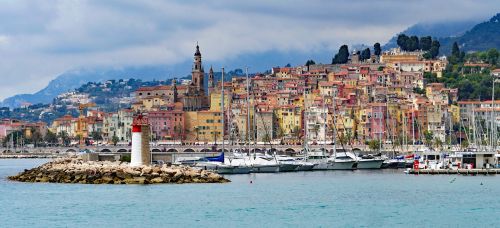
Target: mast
(306, 146)
(413, 128)
(248, 110)
(324, 123)
(222, 110)
(492, 144)
(334, 129)
(474, 127)
(380, 116)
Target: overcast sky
(41, 39)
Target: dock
(454, 171)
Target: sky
(41, 39)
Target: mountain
(482, 36)
(257, 62)
(73, 79)
(441, 29)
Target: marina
(309, 199)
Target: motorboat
(287, 163)
(319, 159)
(343, 161)
(369, 161)
(264, 164)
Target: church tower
(210, 80)
(174, 85)
(198, 73)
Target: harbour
(311, 199)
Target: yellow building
(203, 126)
(455, 113)
(289, 118)
(215, 101)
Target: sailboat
(339, 161)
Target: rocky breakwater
(66, 170)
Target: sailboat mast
(492, 115)
(474, 127)
(413, 128)
(334, 129)
(324, 123)
(222, 109)
(248, 109)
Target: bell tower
(210, 80)
(198, 73)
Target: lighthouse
(140, 154)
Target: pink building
(167, 124)
(377, 121)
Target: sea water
(377, 198)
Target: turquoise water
(312, 199)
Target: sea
(376, 198)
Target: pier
(454, 171)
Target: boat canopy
(219, 158)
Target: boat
(392, 163)
(369, 161)
(264, 164)
(319, 159)
(287, 163)
(233, 169)
(342, 162)
(304, 165)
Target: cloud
(40, 39)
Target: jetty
(454, 171)
(77, 170)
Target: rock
(77, 171)
(157, 180)
(135, 180)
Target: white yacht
(264, 164)
(287, 163)
(235, 164)
(319, 159)
(342, 161)
(369, 161)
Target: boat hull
(322, 166)
(344, 165)
(234, 170)
(265, 168)
(288, 167)
(370, 164)
(305, 167)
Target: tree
(413, 43)
(376, 49)
(365, 54)
(455, 51)
(36, 137)
(64, 137)
(115, 140)
(402, 42)
(14, 137)
(438, 143)
(50, 137)
(493, 56)
(428, 135)
(425, 43)
(374, 144)
(310, 62)
(435, 48)
(342, 56)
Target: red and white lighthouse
(140, 154)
